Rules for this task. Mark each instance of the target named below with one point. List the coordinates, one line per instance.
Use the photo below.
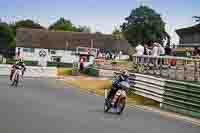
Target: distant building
(58, 46)
(189, 37)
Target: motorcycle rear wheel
(107, 106)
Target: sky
(100, 15)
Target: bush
(59, 64)
(10, 61)
(91, 71)
(31, 63)
(114, 63)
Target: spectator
(161, 50)
(155, 51)
(139, 50)
(81, 64)
(161, 53)
(173, 51)
(146, 50)
(196, 51)
(168, 50)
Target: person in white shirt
(139, 50)
(161, 53)
(155, 51)
(161, 50)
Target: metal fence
(178, 68)
(176, 96)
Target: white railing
(178, 68)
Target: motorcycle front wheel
(121, 105)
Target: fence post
(185, 68)
(168, 67)
(176, 70)
(161, 62)
(195, 70)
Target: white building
(49, 46)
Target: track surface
(49, 106)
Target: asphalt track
(49, 106)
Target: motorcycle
(118, 101)
(15, 77)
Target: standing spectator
(146, 50)
(161, 50)
(155, 51)
(81, 64)
(196, 51)
(161, 53)
(173, 51)
(168, 50)
(139, 52)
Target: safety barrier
(182, 97)
(31, 71)
(176, 96)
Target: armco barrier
(182, 97)
(31, 71)
(176, 96)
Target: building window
(29, 50)
(56, 59)
(53, 51)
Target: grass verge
(64, 71)
(98, 87)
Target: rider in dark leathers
(115, 86)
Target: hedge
(31, 63)
(59, 64)
(91, 71)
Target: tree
(66, 25)
(83, 29)
(25, 24)
(7, 38)
(144, 26)
(117, 33)
(62, 25)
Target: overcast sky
(100, 15)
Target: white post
(92, 43)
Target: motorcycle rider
(19, 63)
(115, 85)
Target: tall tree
(26, 24)
(7, 39)
(144, 25)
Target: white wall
(65, 55)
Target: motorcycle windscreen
(125, 85)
